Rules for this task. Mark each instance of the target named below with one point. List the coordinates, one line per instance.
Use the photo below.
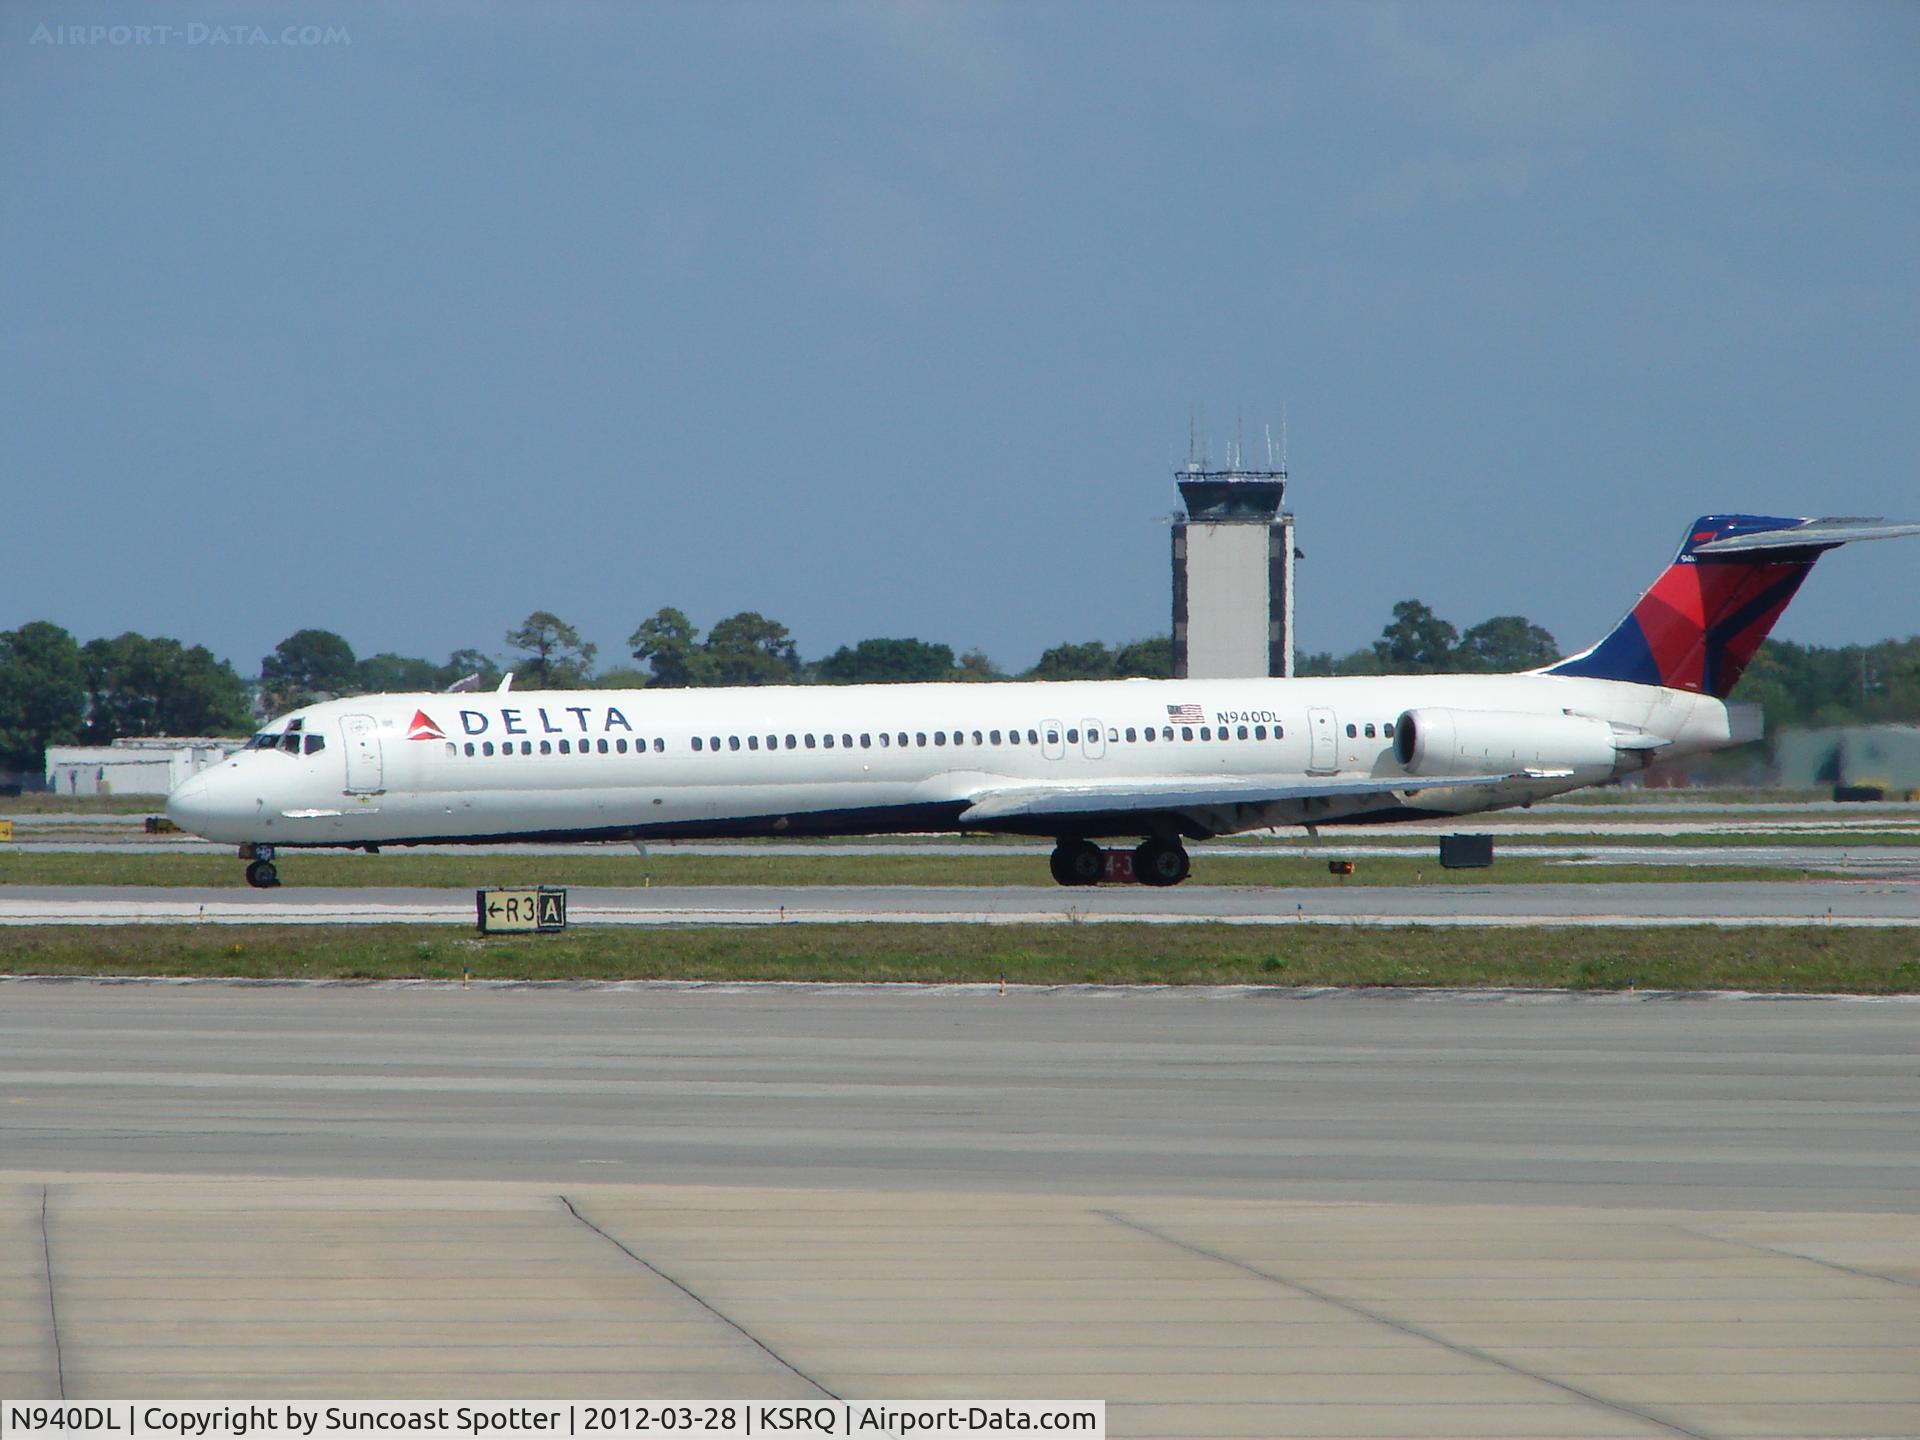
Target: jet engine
(1440, 741)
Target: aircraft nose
(190, 803)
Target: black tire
(1161, 862)
(262, 876)
(1078, 862)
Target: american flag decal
(1186, 714)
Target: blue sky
(889, 319)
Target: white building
(137, 766)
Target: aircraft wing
(1187, 794)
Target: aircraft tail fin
(1699, 624)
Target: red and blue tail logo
(1699, 626)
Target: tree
(557, 658)
(669, 645)
(389, 674)
(623, 677)
(881, 662)
(1505, 644)
(42, 693)
(749, 649)
(974, 666)
(462, 663)
(306, 666)
(1417, 641)
(1089, 660)
(141, 685)
(1152, 658)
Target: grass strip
(1802, 959)
(445, 872)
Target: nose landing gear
(260, 872)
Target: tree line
(55, 690)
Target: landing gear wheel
(262, 876)
(1161, 862)
(1078, 862)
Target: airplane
(1159, 762)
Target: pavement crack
(701, 1301)
(53, 1307)
(1405, 1327)
(1834, 1265)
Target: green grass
(335, 870)
(40, 804)
(1863, 961)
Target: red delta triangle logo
(423, 728)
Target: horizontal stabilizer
(1835, 530)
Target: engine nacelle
(1440, 741)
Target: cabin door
(362, 743)
(1323, 741)
(1053, 739)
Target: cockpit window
(315, 743)
(290, 742)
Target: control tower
(1232, 574)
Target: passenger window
(546, 747)
(621, 746)
(601, 746)
(713, 741)
(866, 740)
(1186, 732)
(1033, 737)
(939, 737)
(1149, 735)
(810, 741)
(658, 745)
(753, 742)
(486, 747)
(470, 747)
(828, 739)
(1205, 733)
(733, 742)
(885, 740)
(920, 738)
(1053, 737)
(566, 747)
(1279, 732)
(846, 741)
(1241, 733)
(1166, 732)
(1386, 730)
(1259, 732)
(1073, 737)
(976, 738)
(698, 743)
(792, 742)
(1112, 733)
(316, 743)
(1351, 732)
(1369, 730)
(993, 736)
(1013, 737)
(526, 747)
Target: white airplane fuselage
(863, 759)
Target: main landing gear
(260, 872)
(1155, 862)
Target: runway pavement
(1875, 902)
(1223, 1212)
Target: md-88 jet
(1157, 762)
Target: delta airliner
(1157, 761)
